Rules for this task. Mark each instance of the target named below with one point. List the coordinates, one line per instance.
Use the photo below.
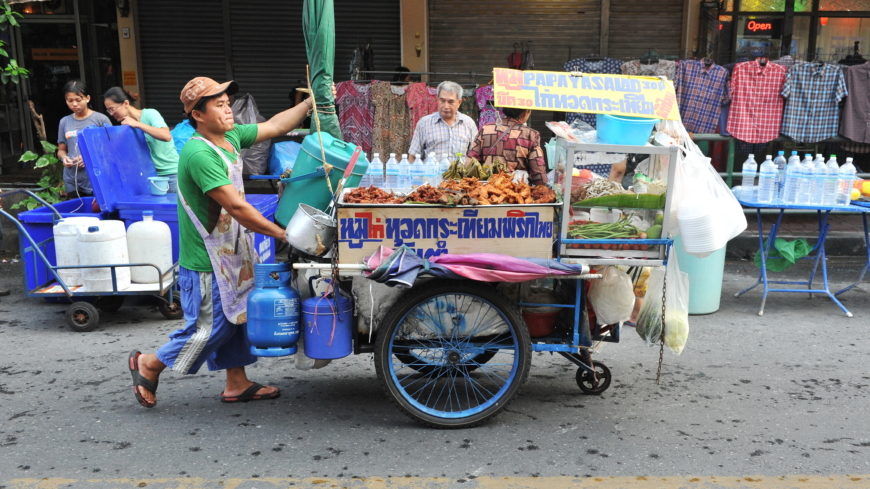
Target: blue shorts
(208, 335)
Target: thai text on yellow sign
(634, 96)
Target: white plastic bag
(612, 297)
(649, 320)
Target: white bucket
(149, 241)
(66, 249)
(104, 244)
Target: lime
(660, 218)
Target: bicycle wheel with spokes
(453, 354)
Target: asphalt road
(785, 394)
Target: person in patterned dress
(517, 145)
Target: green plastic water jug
(314, 191)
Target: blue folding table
(817, 254)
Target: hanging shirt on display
(813, 92)
(664, 67)
(392, 123)
(700, 95)
(856, 113)
(756, 101)
(422, 100)
(469, 103)
(357, 114)
(489, 114)
(606, 66)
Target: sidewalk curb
(837, 244)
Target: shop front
(825, 30)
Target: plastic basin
(618, 129)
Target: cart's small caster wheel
(110, 303)
(82, 317)
(171, 310)
(596, 384)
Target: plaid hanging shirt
(756, 101)
(813, 92)
(700, 95)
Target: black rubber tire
(109, 303)
(518, 334)
(82, 317)
(587, 383)
(171, 310)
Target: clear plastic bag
(612, 297)
(676, 326)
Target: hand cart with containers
(453, 342)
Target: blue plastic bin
(39, 224)
(619, 129)
(118, 163)
(165, 210)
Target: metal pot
(311, 230)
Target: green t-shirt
(201, 169)
(163, 153)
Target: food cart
(454, 353)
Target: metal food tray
(341, 203)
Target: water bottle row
(396, 174)
(807, 182)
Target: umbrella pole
(326, 166)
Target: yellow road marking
(634, 482)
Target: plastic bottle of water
(844, 183)
(404, 173)
(779, 161)
(430, 171)
(417, 171)
(791, 159)
(793, 175)
(376, 171)
(392, 172)
(805, 189)
(444, 164)
(831, 181)
(820, 176)
(767, 181)
(750, 170)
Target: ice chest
(430, 230)
(39, 223)
(314, 191)
(165, 209)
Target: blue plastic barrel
(620, 129)
(705, 278)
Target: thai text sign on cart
(632, 96)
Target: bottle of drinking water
(430, 171)
(844, 183)
(417, 171)
(779, 161)
(444, 164)
(831, 181)
(820, 176)
(392, 172)
(750, 169)
(767, 181)
(805, 189)
(791, 159)
(793, 175)
(376, 171)
(404, 173)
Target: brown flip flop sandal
(250, 394)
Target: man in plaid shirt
(756, 101)
(446, 131)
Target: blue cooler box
(165, 210)
(39, 224)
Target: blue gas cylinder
(273, 311)
(327, 325)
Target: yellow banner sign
(634, 96)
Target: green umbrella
(318, 25)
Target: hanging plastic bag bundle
(612, 297)
(676, 325)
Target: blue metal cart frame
(82, 315)
(817, 254)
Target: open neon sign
(759, 26)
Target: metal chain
(662, 346)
